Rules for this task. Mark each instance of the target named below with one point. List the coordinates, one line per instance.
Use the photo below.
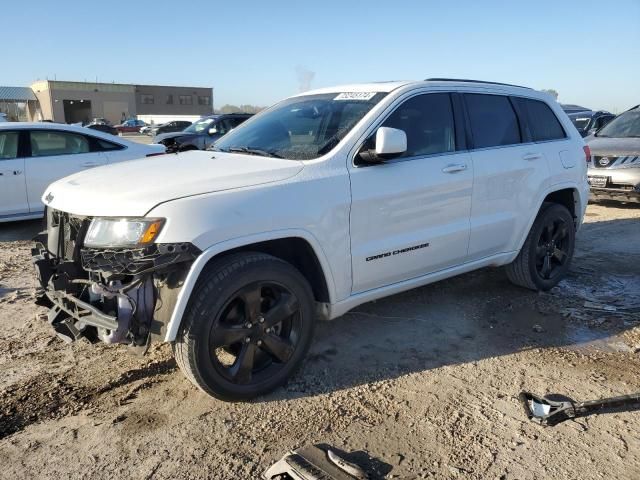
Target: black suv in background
(202, 133)
(589, 122)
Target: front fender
(200, 263)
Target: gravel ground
(419, 385)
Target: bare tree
(239, 109)
(305, 77)
(551, 92)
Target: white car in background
(32, 155)
(146, 130)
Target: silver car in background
(614, 169)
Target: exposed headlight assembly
(122, 232)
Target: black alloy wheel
(247, 328)
(546, 255)
(552, 251)
(256, 332)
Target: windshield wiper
(252, 151)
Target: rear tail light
(162, 153)
(587, 153)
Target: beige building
(19, 104)
(72, 102)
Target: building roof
(21, 94)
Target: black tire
(231, 316)
(546, 255)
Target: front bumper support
(81, 311)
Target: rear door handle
(454, 168)
(90, 164)
(532, 156)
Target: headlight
(122, 232)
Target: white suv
(326, 200)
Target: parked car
(129, 126)
(571, 108)
(614, 169)
(146, 130)
(170, 127)
(202, 133)
(3, 117)
(103, 127)
(32, 155)
(100, 121)
(588, 122)
(231, 254)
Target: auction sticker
(364, 96)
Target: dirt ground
(419, 385)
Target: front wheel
(546, 255)
(247, 328)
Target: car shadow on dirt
(19, 231)
(479, 315)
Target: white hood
(135, 187)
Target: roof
(569, 107)
(61, 126)
(21, 94)
(466, 80)
(359, 87)
(436, 82)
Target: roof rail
(473, 81)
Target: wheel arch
(564, 194)
(298, 247)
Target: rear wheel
(546, 255)
(247, 328)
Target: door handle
(17, 172)
(532, 156)
(459, 167)
(90, 164)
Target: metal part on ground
(548, 412)
(314, 463)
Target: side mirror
(389, 143)
(213, 131)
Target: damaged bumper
(113, 295)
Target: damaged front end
(114, 295)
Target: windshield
(300, 128)
(625, 125)
(199, 126)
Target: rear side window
(100, 145)
(543, 123)
(493, 120)
(46, 143)
(8, 145)
(428, 122)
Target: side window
(543, 123)
(237, 121)
(493, 121)
(99, 145)
(428, 122)
(47, 143)
(225, 125)
(8, 145)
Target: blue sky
(250, 51)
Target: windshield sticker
(362, 96)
